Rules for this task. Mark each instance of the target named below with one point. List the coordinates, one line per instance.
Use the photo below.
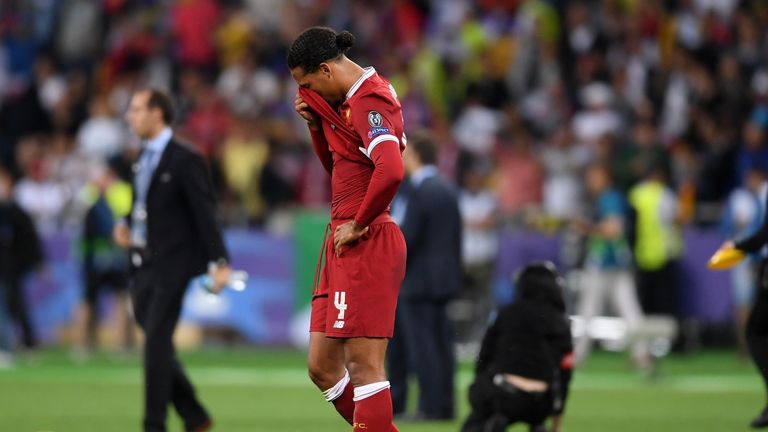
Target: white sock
(334, 392)
(368, 390)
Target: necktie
(146, 168)
(139, 216)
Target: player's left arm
(374, 119)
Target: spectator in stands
(754, 153)
(102, 135)
(520, 175)
(598, 119)
(564, 161)
(248, 87)
(636, 157)
(41, 197)
(243, 156)
(192, 25)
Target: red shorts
(357, 292)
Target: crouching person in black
(525, 362)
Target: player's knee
(322, 375)
(362, 373)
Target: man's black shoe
(761, 421)
(202, 427)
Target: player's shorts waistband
(380, 219)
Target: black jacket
(182, 231)
(531, 338)
(20, 248)
(432, 229)
(527, 339)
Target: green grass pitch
(258, 390)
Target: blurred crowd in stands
(522, 97)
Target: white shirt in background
(479, 245)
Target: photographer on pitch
(524, 368)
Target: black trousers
(18, 311)
(156, 308)
(658, 290)
(423, 344)
(757, 326)
(495, 407)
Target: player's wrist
(357, 226)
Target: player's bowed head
(317, 60)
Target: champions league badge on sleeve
(374, 119)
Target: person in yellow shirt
(657, 243)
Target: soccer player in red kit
(356, 125)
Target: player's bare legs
(325, 360)
(351, 375)
(373, 402)
(365, 360)
(326, 369)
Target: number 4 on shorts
(340, 301)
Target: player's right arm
(314, 123)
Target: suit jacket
(432, 229)
(182, 231)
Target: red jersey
(364, 171)
(361, 145)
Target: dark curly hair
(317, 45)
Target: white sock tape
(334, 392)
(368, 390)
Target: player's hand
(220, 277)
(313, 120)
(121, 234)
(345, 234)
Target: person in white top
(479, 212)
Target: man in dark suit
(423, 343)
(172, 235)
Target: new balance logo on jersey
(338, 325)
